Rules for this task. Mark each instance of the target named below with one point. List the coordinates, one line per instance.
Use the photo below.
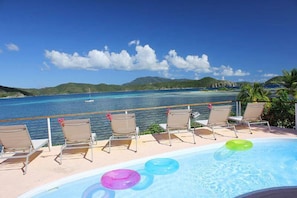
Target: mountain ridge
(141, 83)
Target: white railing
(49, 127)
(295, 116)
(49, 132)
(49, 118)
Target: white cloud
(134, 42)
(228, 71)
(270, 75)
(144, 59)
(201, 65)
(68, 61)
(97, 59)
(45, 67)
(12, 47)
(190, 63)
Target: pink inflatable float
(120, 179)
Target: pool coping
(43, 168)
(82, 175)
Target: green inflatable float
(239, 145)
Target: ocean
(21, 109)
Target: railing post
(295, 116)
(238, 108)
(49, 131)
(189, 125)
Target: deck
(44, 167)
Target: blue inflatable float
(161, 166)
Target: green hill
(144, 83)
(13, 92)
(274, 81)
(147, 80)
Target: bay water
(11, 109)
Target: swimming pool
(208, 171)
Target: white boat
(90, 98)
(195, 114)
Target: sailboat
(90, 98)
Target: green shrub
(154, 128)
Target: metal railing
(48, 126)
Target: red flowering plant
(108, 116)
(167, 112)
(209, 106)
(61, 121)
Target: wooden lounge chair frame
(178, 120)
(123, 127)
(218, 118)
(252, 115)
(16, 142)
(77, 135)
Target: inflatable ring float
(91, 190)
(146, 180)
(239, 145)
(161, 166)
(120, 179)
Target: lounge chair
(77, 135)
(178, 120)
(123, 127)
(218, 118)
(16, 142)
(252, 115)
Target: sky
(51, 42)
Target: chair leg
(61, 155)
(92, 151)
(235, 132)
(193, 133)
(169, 137)
(249, 125)
(26, 165)
(137, 132)
(109, 145)
(268, 125)
(213, 133)
(136, 143)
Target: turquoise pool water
(209, 171)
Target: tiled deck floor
(44, 167)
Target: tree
(282, 111)
(253, 93)
(289, 81)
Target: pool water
(209, 171)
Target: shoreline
(202, 89)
